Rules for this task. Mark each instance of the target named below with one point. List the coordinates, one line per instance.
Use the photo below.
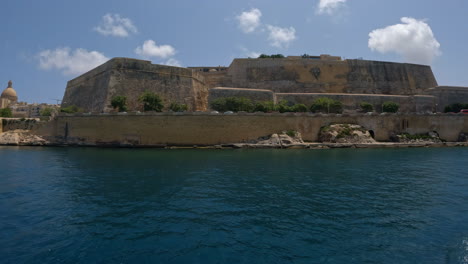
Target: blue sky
(43, 44)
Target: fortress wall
(298, 75)
(255, 95)
(208, 129)
(94, 90)
(448, 95)
(352, 101)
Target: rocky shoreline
(23, 138)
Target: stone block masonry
(190, 129)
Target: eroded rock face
(283, 138)
(430, 137)
(21, 138)
(345, 133)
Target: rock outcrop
(21, 138)
(281, 139)
(345, 133)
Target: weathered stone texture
(93, 91)
(447, 95)
(293, 75)
(208, 129)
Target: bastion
(294, 79)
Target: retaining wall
(211, 129)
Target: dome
(9, 93)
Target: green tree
(283, 107)
(176, 107)
(151, 102)
(119, 103)
(265, 106)
(456, 107)
(47, 111)
(326, 105)
(6, 112)
(301, 108)
(71, 109)
(366, 107)
(390, 107)
(234, 104)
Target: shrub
(291, 133)
(283, 107)
(456, 107)
(119, 103)
(326, 105)
(151, 102)
(178, 107)
(274, 56)
(265, 106)
(47, 111)
(366, 107)
(6, 112)
(71, 109)
(302, 108)
(234, 104)
(390, 107)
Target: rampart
(308, 75)
(136, 129)
(94, 90)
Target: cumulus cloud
(115, 25)
(413, 39)
(281, 37)
(249, 21)
(150, 49)
(70, 62)
(172, 62)
(330, 6)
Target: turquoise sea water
(89, 205)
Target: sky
(44, 44)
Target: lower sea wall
(184, 129)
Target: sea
(105, 205)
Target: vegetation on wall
(119, 103)
(6, 112)
(47, 111)
(151, 102)
(71, 109)
(456, 107)
(273, 56)
(176, 107)
(326, 105)
(236, 104)
(390, 107)
(366, 107)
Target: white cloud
(281, 37)
(172, 62)
(413, 39)
(330, 6)
(150, 49)
(115, 25)
(249, 21)
(70, 62)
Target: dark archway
(371, 132)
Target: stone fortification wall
(94, 90)
(256, 95)
(447, 95)
(305, 75)
(211, 129)
(9, 124)
(408, 104)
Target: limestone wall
(94, 90)
(447, 95)
(298, 75)
(211, 129)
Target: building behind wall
(297, 79)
